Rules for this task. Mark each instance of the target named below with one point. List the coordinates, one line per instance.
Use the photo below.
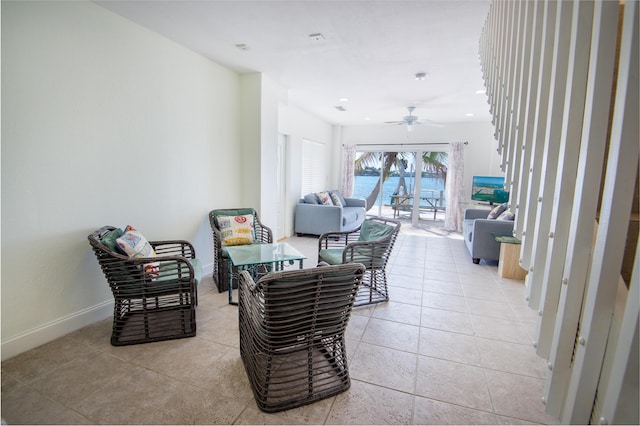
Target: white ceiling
(370, 52)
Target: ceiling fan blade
(430, 123)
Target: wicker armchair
(292, 328)
(262, 235)
(150, 307)
(370, 245)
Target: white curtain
(454, 215)
(348, 159)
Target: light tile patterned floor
(453, 346)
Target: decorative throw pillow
(236, 230)
(110, 238)
(136, 246)
(338, 194)
(506, 215)
(324, 198)
(311, 198)
(335, 199)
(497, 211)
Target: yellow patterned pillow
(236, 230)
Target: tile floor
(453, 346)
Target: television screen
(489, 189)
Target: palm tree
(434, 162)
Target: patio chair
(154, 297)
(292, 327)
(371, 245)
(260, 234)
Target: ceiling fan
(410, 120)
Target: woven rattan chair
(292, 328)
(262, 235)
(371, 245)
(150, 308)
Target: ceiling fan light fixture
(421, 76)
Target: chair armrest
(263, 232)
(483, 228)
(337, 239)
(250, 308)
(317, 219)
(246, 282)
(476, 213)
(356, 202)
(174, 248)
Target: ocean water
(364, 184)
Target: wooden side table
(508, 264)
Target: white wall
(480, 155)
(298, 125)
(103, 122)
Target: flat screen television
(489, 189)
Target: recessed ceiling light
(367, 118)
(481, 91)
(469, 114)
(421, 76)
(344, 99)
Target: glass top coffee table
(251, 257)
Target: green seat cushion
(371, 231)
(331, 256)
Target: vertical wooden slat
(507, 71)
(503, 51)
(619, 404)
(575, 95)
(549, 164)
(531, 171)
(488, 61)
(622, 166)
(583, 219)
(487, 51)
(525, 17)
(527, 119)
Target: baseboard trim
(207, 269)
(50, 331)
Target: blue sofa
(477, 231)
(312, 217)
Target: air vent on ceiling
(340, 108)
